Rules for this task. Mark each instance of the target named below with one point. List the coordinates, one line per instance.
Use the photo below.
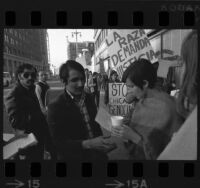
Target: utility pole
(76, 35)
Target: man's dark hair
(22, 67)
(141, 70)
(66, 67)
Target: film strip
(113, 173)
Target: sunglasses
(27, 74)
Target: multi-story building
(167, 42)
(25, 46)
(101, 59)
(74, 49)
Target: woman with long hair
(183, 145)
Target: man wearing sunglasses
(24, 111)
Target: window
(5, 49)
(6, 38)
(11, 41)
(156, 44)
(14, 51)
(9, 50)
(15, 33)
(11, 31)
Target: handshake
(101, 143)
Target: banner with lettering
(126, 46)
(117, 103)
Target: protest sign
(126, 46)
(117, 103)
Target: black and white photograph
(100, 94)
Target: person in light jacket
(150, 125)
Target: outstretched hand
(99, 143)
(126, 132)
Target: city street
(119, 153)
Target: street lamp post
(53, 69)
(76, 34)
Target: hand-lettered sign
(117, 102)
(126, 46)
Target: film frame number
(33, 183)
(136, 183)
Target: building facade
(166, 42)
(101, 60)
(25, 46)
(74, 49)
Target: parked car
(6, 79)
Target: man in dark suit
(71, 118)
(24, 112)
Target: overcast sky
(58, 42)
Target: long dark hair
(188, 92)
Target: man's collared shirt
(83, 109)
(72, 97)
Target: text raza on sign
(126, 46)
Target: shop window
(156, 44)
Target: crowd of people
(67, 129)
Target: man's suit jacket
(68, 128)
(25, 114)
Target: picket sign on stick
(117, 103)
(127, 45)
